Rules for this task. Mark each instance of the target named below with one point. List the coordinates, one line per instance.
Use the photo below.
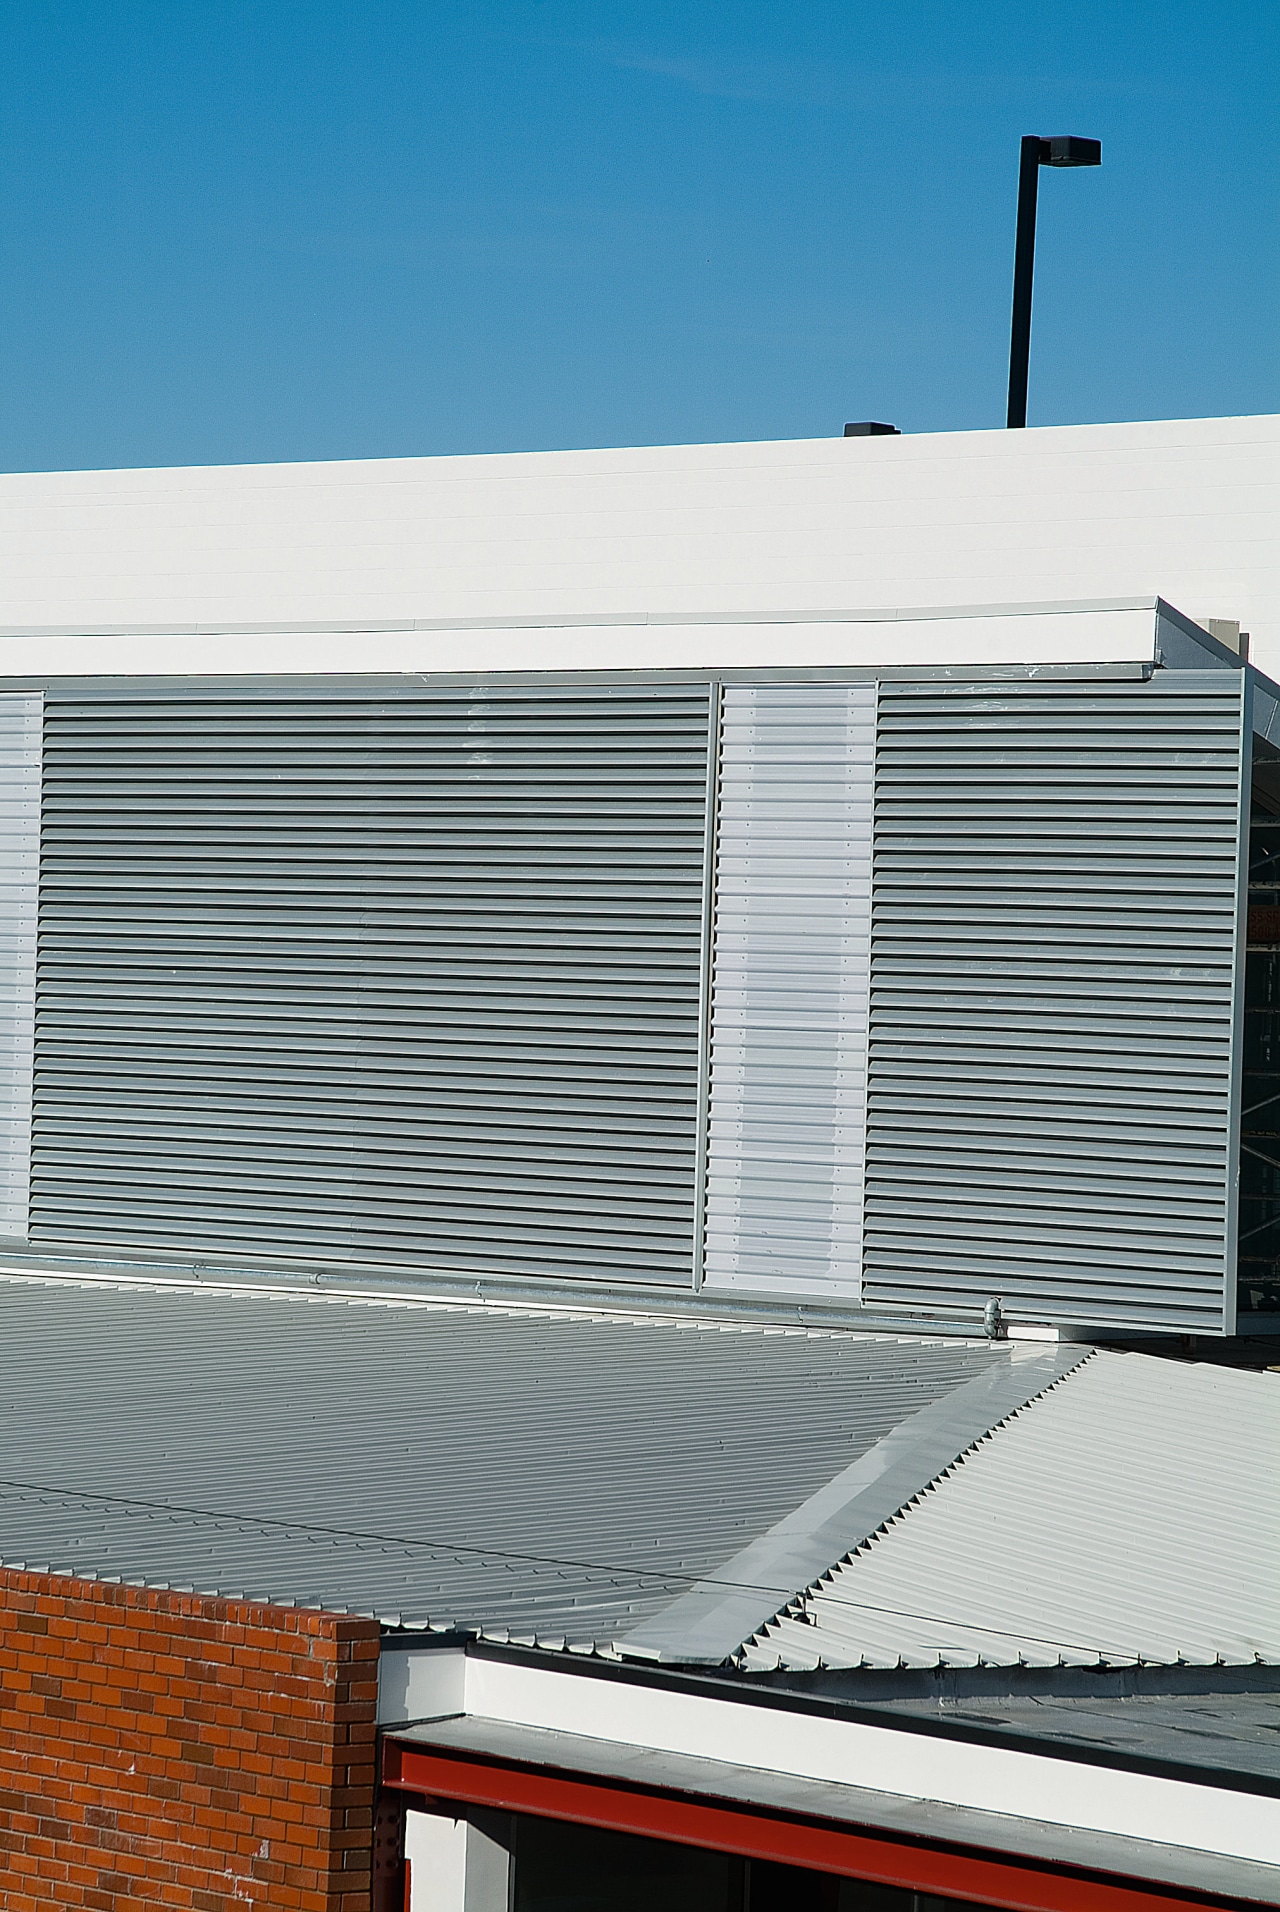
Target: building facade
(600, 1052)
(919, 992)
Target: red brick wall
(163, 1749)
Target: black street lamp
(1064, 151)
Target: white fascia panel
(869, 641)
(446, 1682)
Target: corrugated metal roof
(560, 1477)
(1128, 1515)
(709, 1622)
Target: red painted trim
(1012, 1885)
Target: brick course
(168, 1749)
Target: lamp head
(1066, 150)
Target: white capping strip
(439, 1682)
(817, 641)
(334, 1294)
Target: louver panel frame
(1054, 1047)
(408, 980)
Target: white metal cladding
(1053, 985)
(411, 980)
(19, 890)
(789, 1001)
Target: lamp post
(1036, 152)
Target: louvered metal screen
(411, 981)
(1053, 961)
(789, 999)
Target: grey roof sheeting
(552, 1477)
(1127, 1516)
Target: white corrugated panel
(20, 721)
(789, 999)
(1127, 1516)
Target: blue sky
(273, 229)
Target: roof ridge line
(712, 1621)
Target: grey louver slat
(1052, 977)
(789, 1000)
(410, 981)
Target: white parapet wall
(1186, 509)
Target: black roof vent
(871, 428)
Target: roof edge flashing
(712, 1621)
(1182, 644)
(1083, 636)
(563, 621)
